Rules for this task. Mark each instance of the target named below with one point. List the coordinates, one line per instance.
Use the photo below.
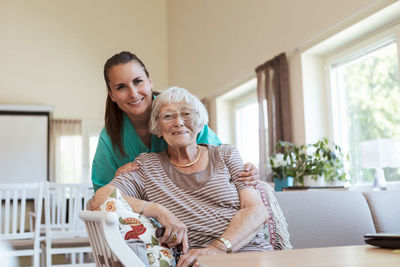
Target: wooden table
(331, 256)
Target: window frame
(226, 105)
(346, 53)
(90, 128)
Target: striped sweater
(204, 201)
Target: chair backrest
(326, 218)
(13, 209)
(13, 218)
(63, 202)
(108, 246)
(385, 210)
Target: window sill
(391, 186)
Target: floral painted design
(164, 263)
(136, 225)
(130, 221)
(110, 206)
(151, 258)
(167, 253)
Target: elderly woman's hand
(250, 175)
(128, 167)
(190, 258)
(175, 230)
(100, 197)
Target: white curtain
(66, 151)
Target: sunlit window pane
(247, 132)
(70, 159)
(368, 99)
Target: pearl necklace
(190, 163)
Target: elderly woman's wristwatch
(227, 244)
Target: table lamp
(378, 154)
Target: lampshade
(380, 153)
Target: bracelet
(227, 244)
(142, 210)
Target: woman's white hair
(176, 95)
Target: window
(70, 159)
(237, 120)
(349, 77)
(246, 129)
(90, 133)
(75, 144)
(365, 97)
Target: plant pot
(308, 181)
(283, 183)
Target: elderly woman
(193, 189)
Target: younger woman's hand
(100, 197)
(128, 167)
(250, 175)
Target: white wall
(214, 43)
(53, 52)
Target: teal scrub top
(107, 161)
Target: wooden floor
(57, 259)
(27, 260)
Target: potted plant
(322, 162)
(283, 165)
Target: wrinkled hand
(250, 175)
(101, 195)
(128, 167)
(190, 258)
(175, 230)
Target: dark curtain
(274, 104)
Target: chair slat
(71, 206)
(15, 216)
(77, 207)
(52, 207)
(1, 212)
(22, 214)
(62, 216)
(7, 213)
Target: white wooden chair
(109, 248)
(64, 232)
(13, 207)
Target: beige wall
(52, 52)
(212, 43)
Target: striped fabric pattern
(206, 210)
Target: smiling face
(177, 126)
(131, 89)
